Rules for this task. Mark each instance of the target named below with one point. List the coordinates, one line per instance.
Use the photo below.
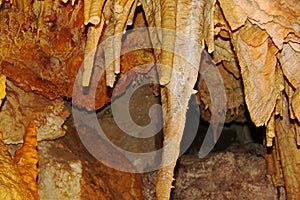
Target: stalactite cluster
(266, 43)
(256, 42)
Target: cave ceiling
(49, 48)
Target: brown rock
(223, 175)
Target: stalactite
(26, 159)
(152, 12)
(86, 13)
(297, 132)
(176, 94)
(168, 25)
(2, 88)
(273, 164)
(94, 34)
(116, 14)
(289, 153)
(19, 178)
(132, 14)
(258, 71)
(95, 12)
(270, 131)
(296, 104)
(261, 33)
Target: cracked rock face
(22, 107)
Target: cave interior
(156, 99)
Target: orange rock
(26, 159)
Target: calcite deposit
(19, 175)
(254, 45)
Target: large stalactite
(44, 43)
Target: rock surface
(60, 172)
(21, 107)
(219, 176)
(68, 171)
(11, 182)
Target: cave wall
(44, 44)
